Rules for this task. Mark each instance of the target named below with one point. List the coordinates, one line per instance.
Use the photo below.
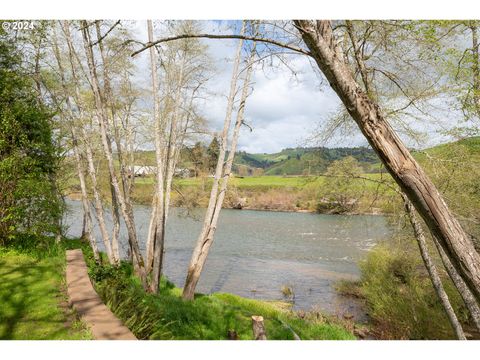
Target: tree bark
(156, 230)
(87, 229)
(465, 293)
(411, 178)
(432, 270)
(103, 121)
(258, 328)
(97, 200)
(85, 202)
(111, 105)
(222, 174)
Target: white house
(142, 170)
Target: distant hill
(312, 161)
(302, 161)
(471, 145)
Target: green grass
(165, 316)
(31, 298)
(399, 295)
(298, 182)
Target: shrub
(400, 297)
(28, 156)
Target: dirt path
(102, 322)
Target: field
(271, 182)
(316, 193)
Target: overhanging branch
(212, 36)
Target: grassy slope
(209, 317)
(31, 299)
(301, 161)
(165, 316)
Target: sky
(284, 110)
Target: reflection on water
(255, 253)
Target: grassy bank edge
(165, 316)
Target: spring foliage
(28, 157)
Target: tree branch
(105, 35)
(212, 36)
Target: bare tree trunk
(462, 288)
(156, 230)
(102, 116)
(110, 102)
(97, 199)
(411, 178)
(85, 202)
(84, 225)
(87, 230)
(432, 270)
(222, 174)
(151, 234)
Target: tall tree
(212, 154)
(411, 178)
(29, 202)
(69, 115)
(183, 66)
(126, 210)
(222, 172)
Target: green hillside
(315, 161)
(304, 161)
(291, 161)
(471, 147)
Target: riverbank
(76, 196)
(33, 297)
(166, 316)
(311, 194)
(398, 296)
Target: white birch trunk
(156, 223)
(88, 228)
(205, 239)
(126, 211)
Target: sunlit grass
(166, 316)
(31, 297)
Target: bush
(400, 297)
(28, 157)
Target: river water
(256, 253)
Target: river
(256, 253)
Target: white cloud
(283, 109)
